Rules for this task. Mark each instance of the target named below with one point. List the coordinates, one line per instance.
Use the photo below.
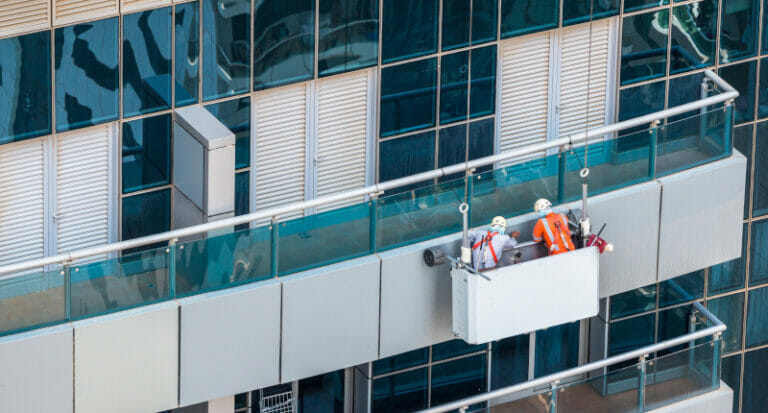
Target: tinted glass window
(348, 35)
(187, 52)
(409, 29)
(694, 29)
(484, 21)
(742, 141)
(458, 379)
(146, 214)
(401, 361)
(644, 46)
(452, 148)
(408, 96)
(730, 310)
(632, 5)
(509, 364)
(226, 48)
(578, 11)
(404, 392)
(760, 202)
(738, 29)
(86, 74)
(25, 86)
(729, 276)
(242, 193)
(284, 42)
(483, 93)
(754, 397)
(146, 61)
(684, 288)
(757, 317)
(146, 153)
(236, 115)
(323, 393)
(528, 16)
(406, 156)
(638, 101)
(454, 75)
(453, 348)
(758, 267)
(456, 24)
(742, 76)
(673, 323)
(632, 333)
(682, 90)
(762, 91)
(731, 375)
(633, 302)
(557, 349)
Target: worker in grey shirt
(487, 247)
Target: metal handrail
(715, 330)
(729, 93)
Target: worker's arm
(474, 236)
(512, 242)
(538, 231)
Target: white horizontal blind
(524, 92)
(22, 203)
(82, 189)
(23, 16)
(73, 11)
(280, 144)
(134, 5)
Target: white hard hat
(499, 221)
(541, 204)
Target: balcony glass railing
(226, 258)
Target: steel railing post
(653, 142)
(641, 383)
(562, 157)
(273, 246)
(553, 399)
(717, 343)
(728, 132)
(66, 272)
(171, 252)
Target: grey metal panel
(220, 185)
(188, 171)
(204, 127)
(718, 401)
(415, 299)
(330, 318)
(37, 371)
(701, 216)
(230, 342)
(128, 361)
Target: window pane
(481, 141)
(757, 317)
(730, 310)
(760, 202)
(693, 36)
(680, 289)
(408, 96)
(458, 379)
(483, 93)
(758, 268)
(577, 11)
(404, 392)
(226, 48)
(25, 87)
(284, 42)
(742, 77)
(729, 276)
(146, 61)
(483, 20)
(632, 5)
(640, 100)
(322, 393)
(673, 323)
(509, 364)
(762, 91)
(682, 90)
(406, 156)
(242, 193)
(236, 115)
(349, 34)
(453, 348)
(401, 361)
(86, 74)
(454, 75)
(187, 52)
(146, 153)
(527, 16)
(455, 24)
(452, 148)
(633, 302)
(754, 397)
(632, 333)
(742, 141)
(644, 46)
(731, 375)
(738, 29)
(557, 348)
(409, 29)
(146, 214)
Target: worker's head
(499, 224)
(542, 207)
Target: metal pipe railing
(729, 94)
(716, 330)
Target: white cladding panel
(524, 92)
(280, 140)
(21, 201)
(73, 11)
(20, 16)
(133, 5)
(82, 189)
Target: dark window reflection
(323, 393)
(401, 361)
(458, 379)
(742, 141)
(754, 398)
(348, 35)
(408, 94)
(403, 392)
(409, 29)
(187, 52)
(757, 317)
(731, 375)
(637, 101)
(25, 87)
(680, 289)
(284, 42)
(633, 302)
(454, 348)
(509, 364)
(730, 310)
(242, 193)
(682, 90)
(528, 16)
(738, 29)
(694, 32)
(146, 153)
(226, 47)
(86, 74)
(632, 333)
(673, 322)
(644, 46)
(406, 156)
(483, 93)
(758, 263)
(760, 194)
(557, 349)
(729, 276)
(578, 11)
(146, 61)
(146, 214)
(456, 22)
(632, 5)
(743, 77)
(454, 75)
(762, 91)
(236, 115)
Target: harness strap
(487, 239)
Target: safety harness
(554, 247)
(487, 240)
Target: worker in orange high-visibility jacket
(552, 228)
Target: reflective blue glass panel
(633, 302)
(409, 29)
(640, 100)
(453, 348)
(25, 86)
(673, 322)
(236, 115)
(694, 32)
(738, 29)
(454, 75)
(578, 11)
(754, 398)
(401, 361)
(758, 263)
(760, 194)
(627, 335)
(226, 48)
(481, 141)
(484, 21)
(731, 375)
(682, 90)
(762, 90)
(403, 392)
(757, 318)
(147, 61)
(146, 214)
(528, 16)
(406, 156)
(456, 24)
(633, 5)
(348, 35)
(187, 53)
(408, 96)
(284, 42)
(452, 148)
(730, 310)
(323, 393)
(509, 364)
(458, 379)
(742, 141)
(483, 84)
(146, 153)
(680, 289)
(86, 74)
(729, 276)
(644, 46)
(742, 77)
(557, 348)
(242, 192)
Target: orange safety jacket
(554, 230)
